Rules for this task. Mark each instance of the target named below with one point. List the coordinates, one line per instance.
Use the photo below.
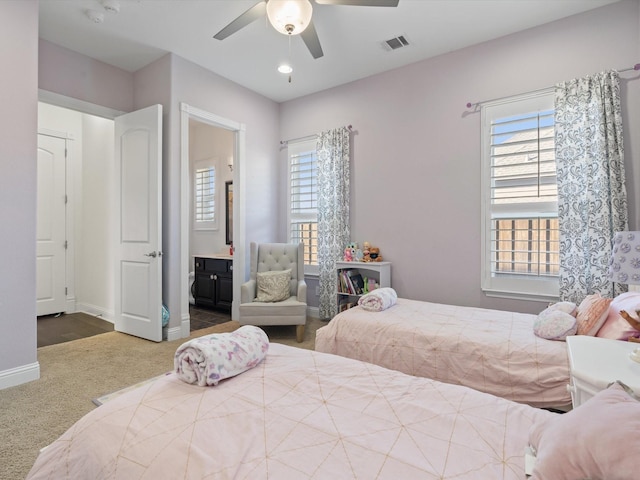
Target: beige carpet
(73, 373)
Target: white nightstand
(596, 362)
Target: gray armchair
(274, 257)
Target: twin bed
(491, 351)
(299, 414)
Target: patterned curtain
(592, 199)
(333, 212)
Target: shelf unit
(379, 271)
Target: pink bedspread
(300, 414)
(489, 350)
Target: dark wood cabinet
(213, 285)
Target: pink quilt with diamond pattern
(299, 414)
(489, 350)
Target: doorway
(85, 191)
(99, 234)
(190, 114)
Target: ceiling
(353, 38)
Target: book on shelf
(351, 282)
(346, 305)
(344, 283)
(357, 281)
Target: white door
(138, 272)
(51, 226)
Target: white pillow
(556, 322)
(566, 307)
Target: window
(520, 200)
(303, 200)
(205, 197)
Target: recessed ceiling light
(284, 68)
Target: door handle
(153, 254)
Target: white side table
(596, 362)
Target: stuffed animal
(348, 257)
(374, 254)
(365, 252)
(633, 322)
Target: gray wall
(415, 185)
(18, 135)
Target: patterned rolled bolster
(209, 359)
(378, 300)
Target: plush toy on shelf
(365, 252)
(374, 254)
(348, 257)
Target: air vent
(397, 42)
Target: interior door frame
(74, 161)
(239, 261)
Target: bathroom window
(205, 217)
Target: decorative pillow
(615, 327)
(599, 439)
(592, 313)
(554, 323)
(566, 307)
(273, 286)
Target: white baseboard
(313, 312)
(183, 331)
(186, 325)
(19, 375)
(174, 333)
(95, 311)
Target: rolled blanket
(209, 359)
(378, 300)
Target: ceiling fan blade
(360, 3)
(311, 40)
(251, 15)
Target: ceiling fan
(293, 17)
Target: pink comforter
(489, 350)
(298, 415)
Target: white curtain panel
(333, 212)
(592, 199)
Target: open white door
(138, 210)
(51, 225)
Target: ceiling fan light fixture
(284, 68)
(289, 17)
